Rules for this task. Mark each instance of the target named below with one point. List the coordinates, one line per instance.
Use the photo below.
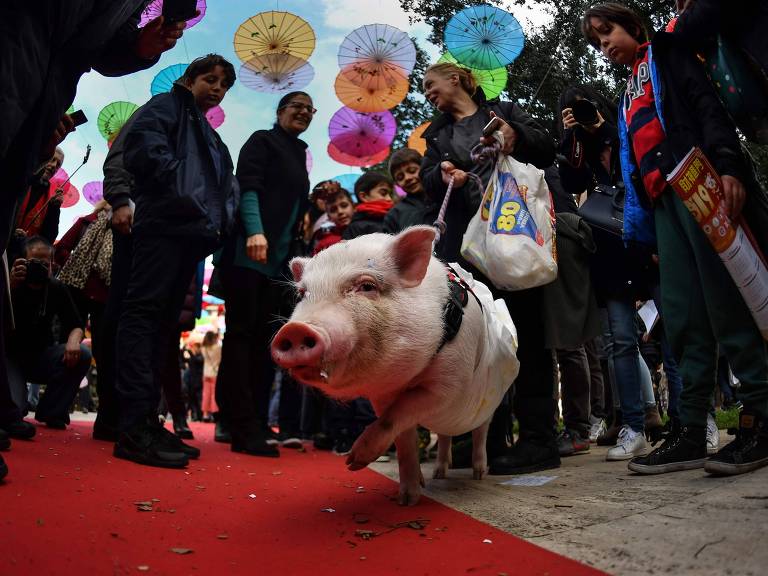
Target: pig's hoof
(479, 473)
(440, 472)
(408, 496)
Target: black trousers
(575, 383)
(255, 304)
(161, 269)
(170, 378)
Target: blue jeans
(626, 361)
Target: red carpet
(68, 507)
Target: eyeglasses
(299, 106)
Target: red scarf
(375, 208)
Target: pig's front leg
(479, 455)
(394, 419)
(443, 456)
(411, 479)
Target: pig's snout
(298, 344)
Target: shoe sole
(718, 468)
(624, 457)
(121, 453)
(664, 468)
(546, 465)
(263, 454)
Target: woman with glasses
(274, 182)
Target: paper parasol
(274, 33)
(309, 161)
(215, 116)
(71, 194)
(347, 181)
(155, 9)
(113, 116)
(349, 160)
(491, 81)
(361, 134)
(377, 51)
(93, 191)
(163, 80)
(276, 73)
(370, 96)
(484, 37)
(415, 140)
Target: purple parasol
(361, 134)
(94, 191)
(155, 9)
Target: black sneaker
(250, 438)
(5, 440)
(685, 448)
(747, 452)
(570, 442)
(174, 443)
(3, 468)
(343, 445)
(271, 436)
(525, 457)
(105, 432)
(290, 439)
(181, 428)
(19, 429)
(321, 441)
(145, 443)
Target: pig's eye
(368, 287)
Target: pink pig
(370, 323)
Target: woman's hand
(510, 137)
(157, 37)
(568, 120)
(449, 171)
(256, 248)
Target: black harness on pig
(453, 312)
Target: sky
(246, 110)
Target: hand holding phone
(178, 11)
(78, 117)
(492, 126)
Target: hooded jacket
(168, 151)
(534, 146)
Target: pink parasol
(155, 9)
(94, 191)
(215, 116)
(361, 134)
(309, 161)
(71, 194)
(349, 160)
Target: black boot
(747, 452)
(147, 443)
(19, 429)
(249, 438)
(221, 432)
(684, 449)
(181, 428)
(5, 440)
(3, 468)
(102, 430)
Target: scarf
(93, 254)
(375, 208)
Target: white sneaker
(713, 435)
(628, 445)
(598, 427)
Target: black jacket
(412, 210)
(168, 151)
(363, 223)
(272, 163)
(534, 146)
(46, 47)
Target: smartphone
(178, 10)
(78, 117)
(492, 126)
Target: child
(186, 197)
(374, 191)
(340, 210)
(702, 306)
(416, 207)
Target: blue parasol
(347, 181)
(484, 37)
(163, 81)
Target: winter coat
(46, 47)
(412, 210)
(168, 151)
(534, 146)
(692, 115)
(367, 219)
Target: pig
(369, 322)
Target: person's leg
(61, 383)
(596, 379)
(170, 381)
(574, 386)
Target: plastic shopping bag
(511, 238)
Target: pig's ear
(297, 267)
(412, 250)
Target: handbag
(604, 209)
(511, 238)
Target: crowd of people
(130, 274)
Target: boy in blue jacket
(669, 107)
(186, 198)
